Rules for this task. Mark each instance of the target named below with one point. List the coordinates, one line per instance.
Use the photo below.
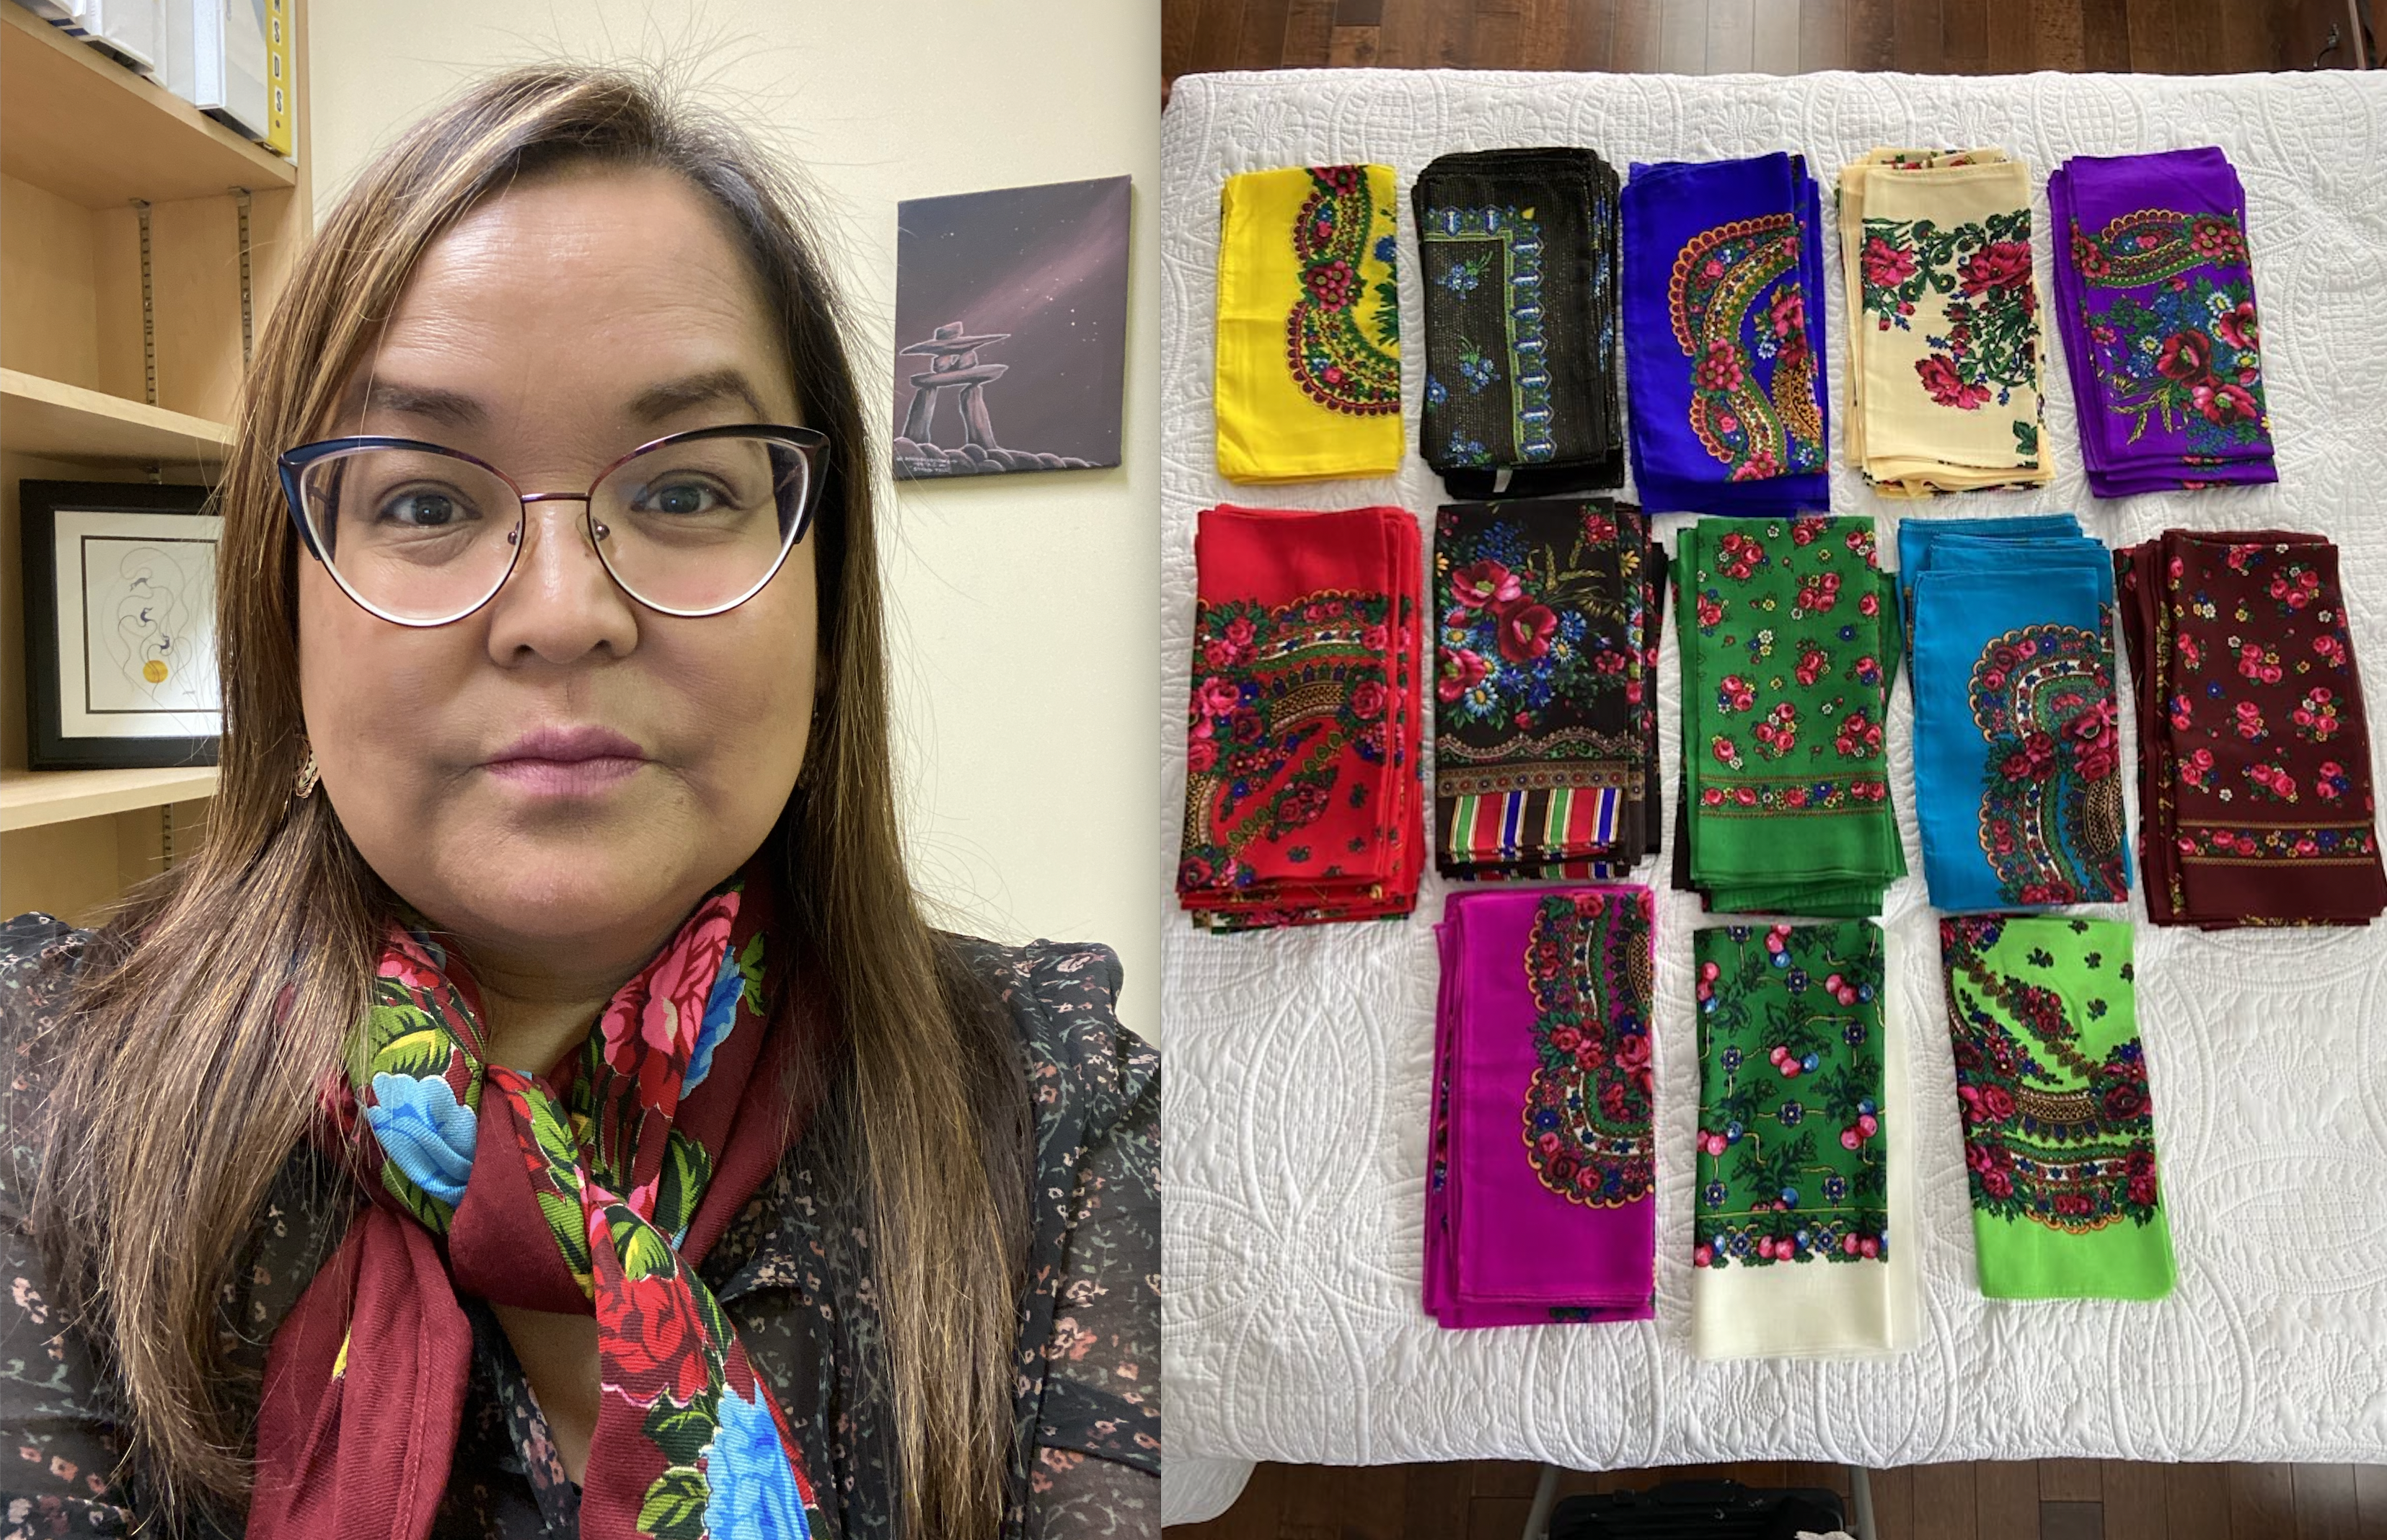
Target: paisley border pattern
(1721, 278)
(1329, 354)
(2053, 826)
(1587, 1127)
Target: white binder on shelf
(177, 64)
(60, 13)
(126, 31)
(228, 62)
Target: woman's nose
(560, 604)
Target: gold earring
(308, 775)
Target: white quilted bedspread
(1298, 1060)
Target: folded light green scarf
(2059, 1127)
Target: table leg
(1860, 1503)
(1545, 1497)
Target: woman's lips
(567, 761)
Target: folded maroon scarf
(2254, 789)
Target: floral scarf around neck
(630, 1159)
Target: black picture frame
(48, 746)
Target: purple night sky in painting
(1046, 265)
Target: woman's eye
(423, 510)
(681, 498)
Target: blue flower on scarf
(720, 1012)
(751, 1490)
(425, 1132)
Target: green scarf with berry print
(1803, 1234)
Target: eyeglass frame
(811, 443)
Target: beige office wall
(1024, 633)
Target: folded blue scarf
(1724, 337)
(2017, 749)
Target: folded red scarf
(2254, 791)
(599, 1188)
(1302, 797)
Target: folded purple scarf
(2155, 299)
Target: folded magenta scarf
(1541, 1191)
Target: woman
(539, 1105)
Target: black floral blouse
(1086, 1458)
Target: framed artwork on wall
(119, 625)
(1011, 329)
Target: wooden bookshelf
(57, 421)
(144, 244)
(30, 799)
(89, 130)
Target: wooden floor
(1692, 37)
(2064, 1499)
(2049, 1500)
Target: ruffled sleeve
(1090, 1326)
(59, 1440)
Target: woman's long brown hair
(181, 1089)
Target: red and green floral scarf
(594, 1188)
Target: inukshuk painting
(1011, 329)
(2059, 1125)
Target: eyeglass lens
(687, 526)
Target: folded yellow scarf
(1944, 333)
(1309, 353)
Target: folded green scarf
(1789, 638)
(1803, 1235)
